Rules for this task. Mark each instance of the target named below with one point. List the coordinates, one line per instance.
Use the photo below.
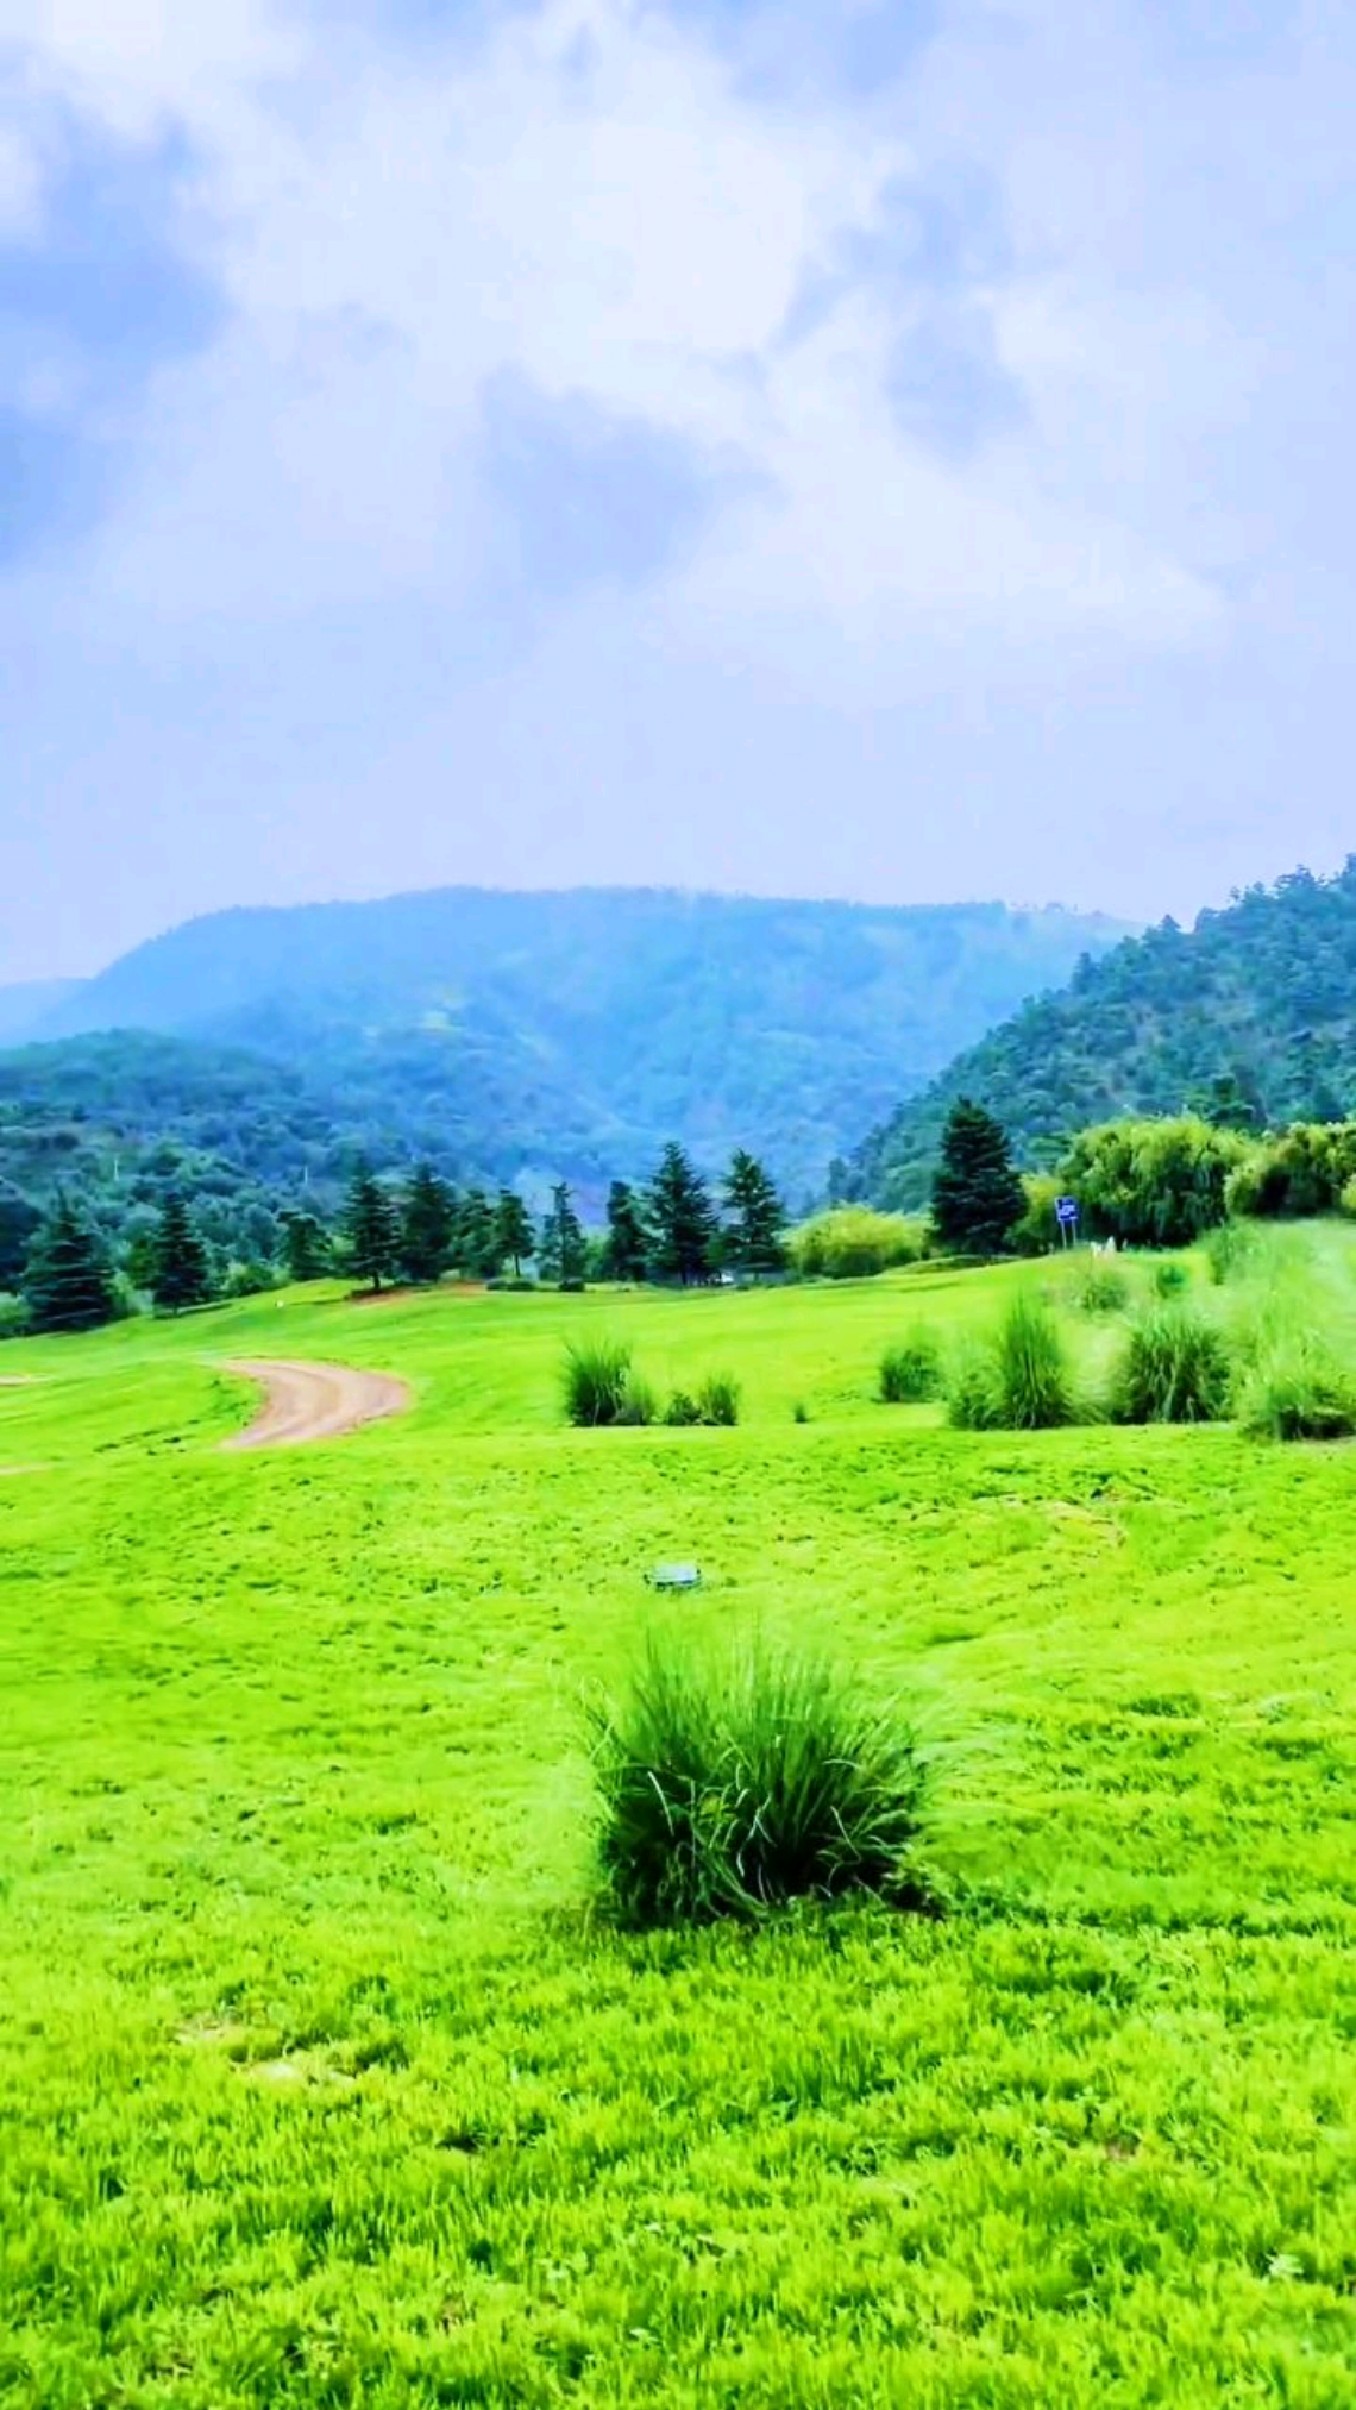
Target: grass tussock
(911, 1370)
(601, 1386)
(732, 1790)
(1171, 1279)
(1021, 1380)
(1296, 1390)
(1102, 1289)
(1174, 1368)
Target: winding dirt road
(315, 1401)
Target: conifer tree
(427, 1228)
(477, 1246)
(306, 1247)
(513, 1230)
(179, 1270)
(977, 1197)
(626, 1249)
(681, 1219)
(66, 1281)
(371, 1229)
(753, 1234)
(560, 1249)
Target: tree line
(672, 1229)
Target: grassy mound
(728, 1792)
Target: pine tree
(682, 1222)
(66, 1280)
(626, 1248)
(560, 1249)
(512, 1230)
(371, 1230)
(477, 1246)
(977, 1197)
(427, 1228)
(753, 1235)
(306, 1247)
(179, 1269)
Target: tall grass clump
(727, 1791)
(910, 1370)
(718, 1398)
(1033, 1388)
(1296, 1389)
(1170, 1278)
(1103, 1289)
(1174, 1369)
(1228, 1248)
(1020, 1380)
(600, 1386)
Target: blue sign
(1066, 1209)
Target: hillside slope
(573, 1033)
(1261, 995)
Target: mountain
(572, 1033)
(25, 1009)
(1252, 1011)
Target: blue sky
(897, 451)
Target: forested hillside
(569, 1035)
(1249, 1016)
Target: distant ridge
(571, 1032)
(1260, 997)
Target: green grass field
(322, 2085)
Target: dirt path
(315, 1401)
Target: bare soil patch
(304, 1402)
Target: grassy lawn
(321, 2085)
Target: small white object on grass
(676, 1577)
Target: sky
(890, 448)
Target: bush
(15, 1319)
(600, 1386)
(682, 1408)
(851, 1242)
(729, 1792)
(1038, 1232)
(1175, 1369)
(1297, 1390)
(1171, 1279)
(1153, 1183)
(1103, 1289)
(800, 1412)
(910, 1370)
(1032, 1388)
(718, 1399)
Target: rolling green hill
(1256, 1004)
(538, 1035)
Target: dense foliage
(977, 1198)
(1248, 1019)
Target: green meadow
(323, 2082)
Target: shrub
(1038, 1232)
(910, 1370)
(718, 1399)
(1032, 1387)
(851, 1242)
(1153, 1183)
(1296, 1390)
(800, 1412)
(728, 1792)
(682, 1408)
(1103, 1288)
(600, 1386)
(1170, 1279)
(1175, 1369)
